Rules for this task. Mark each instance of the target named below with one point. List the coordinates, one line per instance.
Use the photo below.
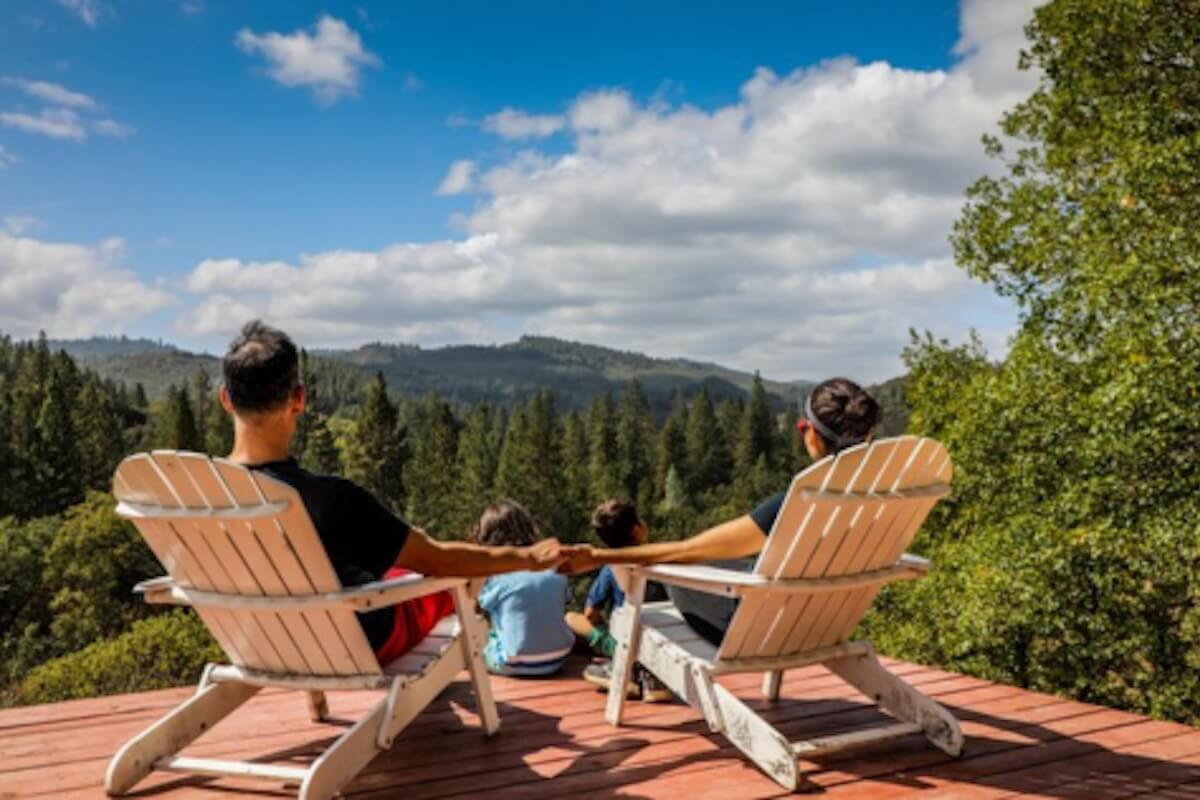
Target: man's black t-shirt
(361, 537)
(764, 513)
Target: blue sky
(185, 156)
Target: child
(528, 635)
(617, 524)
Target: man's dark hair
(846, 410)
(262, 368)
(614, 521)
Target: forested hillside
(464, 374)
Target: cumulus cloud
(328, 60)
(801, 230)
(53, 93)
(458, 178)
(510, 123)
(69, 289)
(57, 123)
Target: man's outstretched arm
(421, 553)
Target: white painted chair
(239, 547)
(840, 536)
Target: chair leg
(179, 728)
(771, 682)
(473, 639)
(757, 738)
(627, 630)
(865, 673)
(345, 758)
(318, 706)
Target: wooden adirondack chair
(839, 537)
(240, 548)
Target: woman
(837, 414)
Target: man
(365, 541)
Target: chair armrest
(377, 594)
(153, 584)
(730, 583)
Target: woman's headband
(840, 441)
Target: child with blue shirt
(617, 524)
(528, 635)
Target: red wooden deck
(554, 742)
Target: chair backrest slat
(253, 557)
(302, 565)
(869, 529)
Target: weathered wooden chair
(839, 537)
(239, 547)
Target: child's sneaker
(600, 675)
(653, 690)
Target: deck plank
(554, 742)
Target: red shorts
(414, 620)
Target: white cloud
(50, 92)
(109, 127)
(69, 289)
(89, 11)
(510, 123)
(327, 61)
(7, 159)
(801, 230)
(57, 123)
(190, 8)
(16, 224)
(458, 178)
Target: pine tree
(379, 446)
(476, 462)
(791, 443)
(202, 400)
(430, 476)
(6, 453)
(25, 405)
(675, 494)
(177, 426)
(635, 440)
(530, 468)
(100, 439)
(756, 430)
(602, 448)
(321, 453)
(707, 448)
(576, 484)
(670, 450)
(139, 397)
(218, 431)
(58, 469)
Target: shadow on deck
(553, 742)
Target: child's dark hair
(506, 523)
(845, 409)
(614, 521)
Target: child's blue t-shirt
(526, 610)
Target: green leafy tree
(218, 431)
(88, 570)
(379, 447)
(670, 451)
(1070, 551)
(576, 478)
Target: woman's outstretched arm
(737, 538)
